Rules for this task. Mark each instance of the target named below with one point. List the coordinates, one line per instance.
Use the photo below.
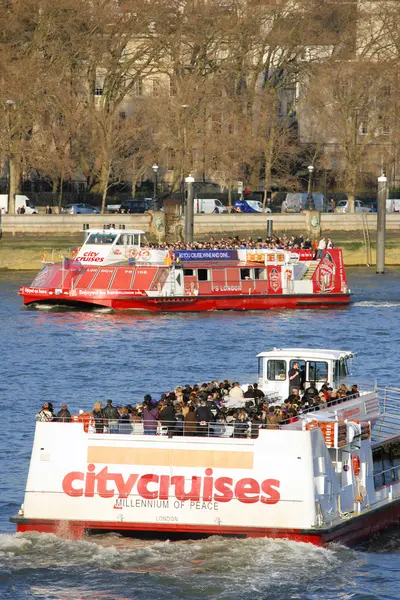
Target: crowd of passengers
(236, 243)
(201, 410)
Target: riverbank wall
(27, 240)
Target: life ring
(133, 253)
(145, 253)
(356, 465)
(75, 252)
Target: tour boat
(330, 476)
(112, 269)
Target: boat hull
(349, 532)
(192, 303)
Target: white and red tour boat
(332, 475)
(112, 269)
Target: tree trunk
(105, 175)
(60, 193)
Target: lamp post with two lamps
(155, 171)
(310, 200)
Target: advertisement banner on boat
(126, 480)
(274, 280)
(188, 255)
(329, 276)
(303, 254)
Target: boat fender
(356, 465)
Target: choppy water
(82, 357)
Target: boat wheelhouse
(112, 269)
(332, 474)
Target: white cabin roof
(304, 353)
(113, 230)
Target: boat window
(245, 274)
(101, 238)
(188, 272)
(203, 274)
(260, 367)
(259, 273)
(385, 465)
(317, 371)
(276, 370)
(136, 239)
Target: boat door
(175, 282)
(274, 374)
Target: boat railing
(388, 425)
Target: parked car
(82, 209)
(137, 205)
(343, 206)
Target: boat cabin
(109, 246)
(317, 366)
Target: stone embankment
(28, 239)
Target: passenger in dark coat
(204, 417)
(64, 416)
(167, 417)
(98, 417)
(111, 414)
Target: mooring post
(381, 224)
(189, 212)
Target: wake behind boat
(112, 269)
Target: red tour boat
(112, 269)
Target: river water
(81, 357)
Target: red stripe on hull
(349, 532)
(200, 303)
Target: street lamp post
(155, 171)
(310, 200)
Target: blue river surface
(82, 357)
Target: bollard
(270, 223)
(381, 225)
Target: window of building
(138, 87)
(98, 91)
(276, 370)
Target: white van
(20, 201)
(209, 205)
